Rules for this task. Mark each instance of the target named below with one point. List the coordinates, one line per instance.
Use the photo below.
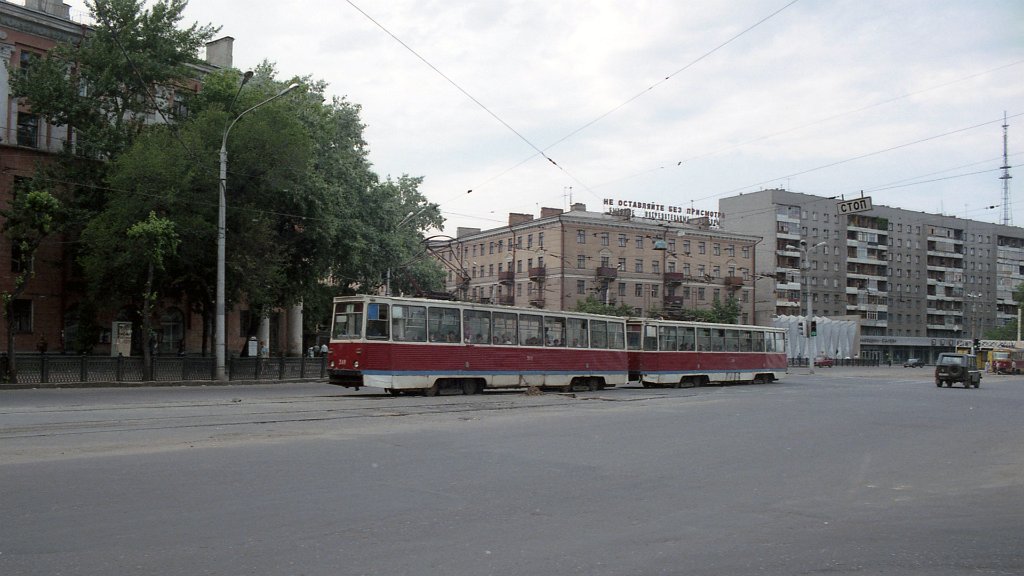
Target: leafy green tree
(150, 242)
(726, 312)
(31, 216)
(591, 305)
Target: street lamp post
(808, 340)
(220, 344)
(974, 318)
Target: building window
(581, 286)
(581, 261)
(581, 237)
(686, 247)
(490, 269)
(21, 318)
(639, 291)
(654, 290)
(28, 130)
(622, 288)
(606, 261)
(639, 266)
(655, 267)
(622, 240)
(172, 331)
(701, 248)
(716, 249)
(622, 264)
(670, 266)
(604, 238)
(540, 239)
(529, 241)
(639, 242)
(700, 294)
(20, 262)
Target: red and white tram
(670, 353)
(404, 344)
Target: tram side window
(348, 321)
(377, 322)
(633, 336)
(409, 323)
(477, 324)
(616, 336)
(554, 331)
(530, 329)
(650, 338)
(443, 324)
(746, 341)
(704, 339)
(505, 328)
(718, 339)
(598, 334)
(758, 345)
(687, 339)
(667, 339)
(578, 333)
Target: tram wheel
(469, 387)
(394, 391)
(592, 384)
(431, 390)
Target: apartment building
(917, 282)
(560, 258)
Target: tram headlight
(355, 364)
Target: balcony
(507, 300)
(507, 277)
(733, 281)
(674, 301)
(607, 273)
(674, 277)
(538, 273)
(537, 302)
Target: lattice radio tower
(1007, 214)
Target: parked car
(824, 362)
(913, 363)
(950, 368)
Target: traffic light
(977, 343)
(800, 328)
(814, 328)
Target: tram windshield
(348, 321)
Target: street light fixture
(220, 345)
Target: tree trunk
(147, 325)
(12, 369)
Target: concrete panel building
(917, 282)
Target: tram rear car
(408, 344)
(686, 354)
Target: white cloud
(793, 94)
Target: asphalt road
(844, 471)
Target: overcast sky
(670, 102)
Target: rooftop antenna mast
(1007, 215)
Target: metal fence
(62, 369)
(804, 362)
